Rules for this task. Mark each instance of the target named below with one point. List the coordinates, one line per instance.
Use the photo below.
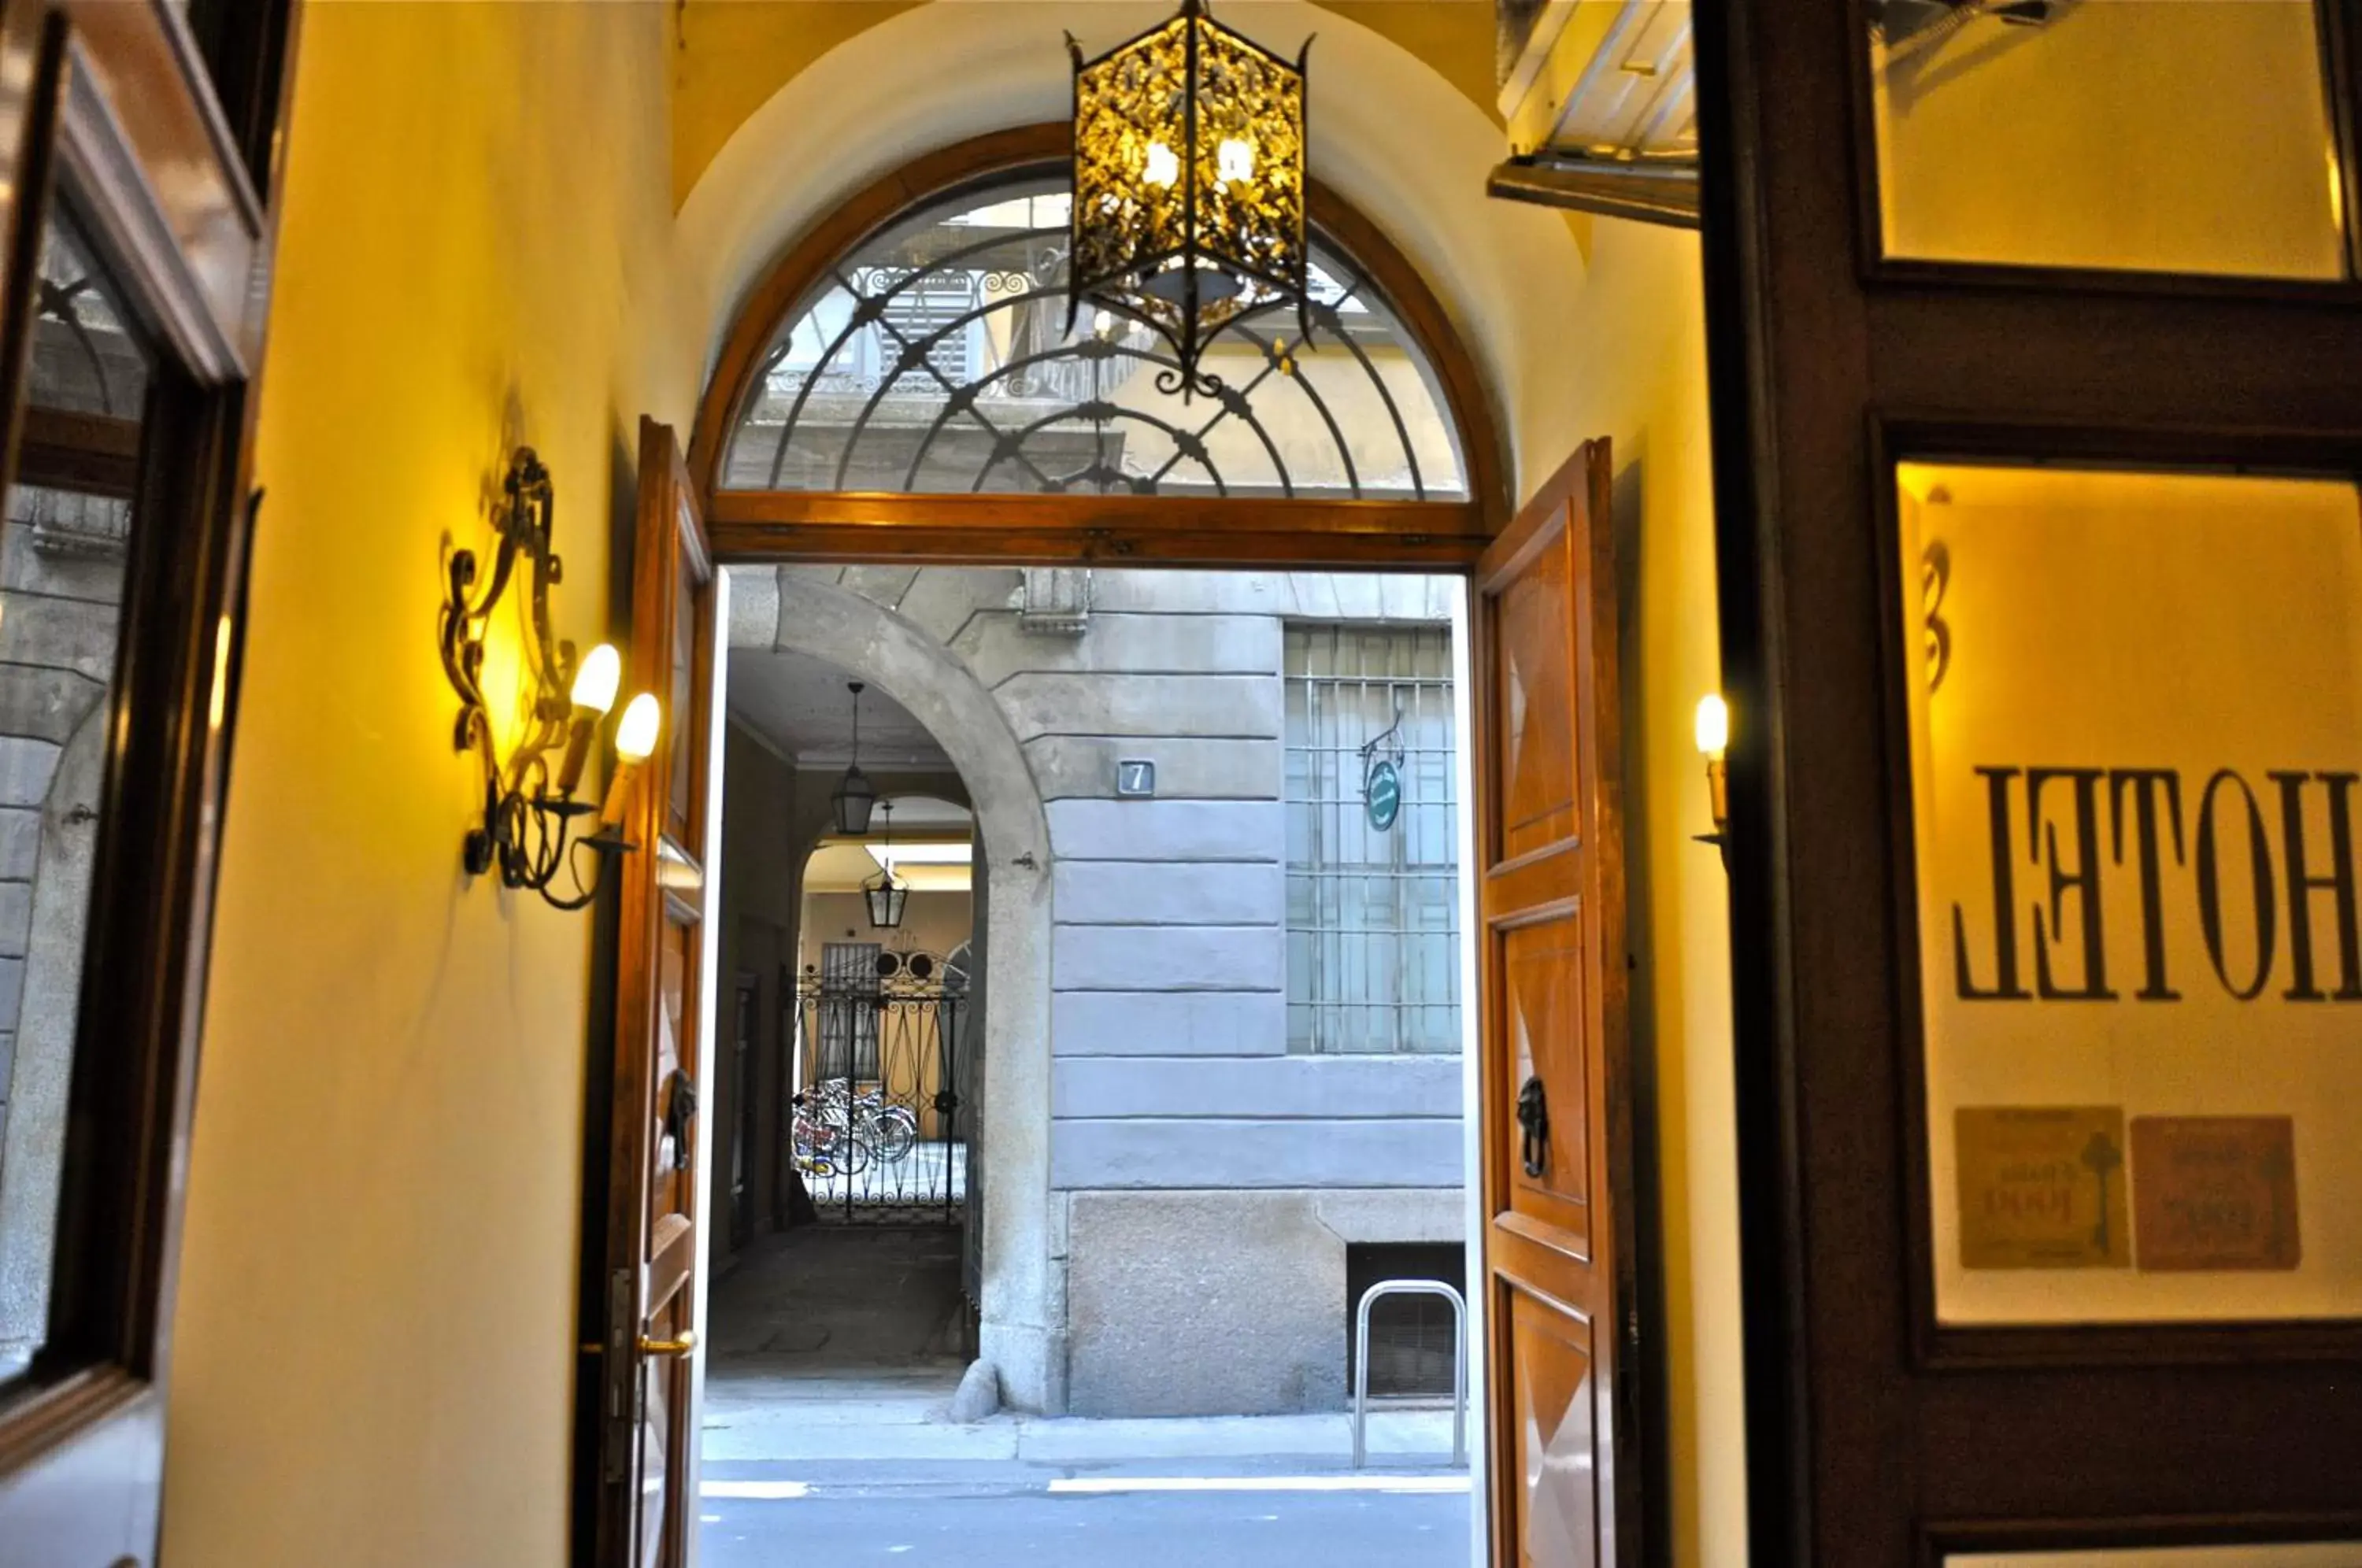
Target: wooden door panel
(1542, 1005)
(654, 1228)
(1558, 1246)
(1557, 1421)
(1533, 667)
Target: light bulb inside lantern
(1713, 725)
(635, 732)
(1163, 165)
(595, 682)
(1235, 161)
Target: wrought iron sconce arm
(530, 817)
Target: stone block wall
(1190, 1153)
(61, 564)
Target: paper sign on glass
(2215, 1192)
(2042, 1186)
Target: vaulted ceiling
(731, 56)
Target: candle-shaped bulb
(595, 682)
(1713, 725)
(635, 732)
(594, 693)
(635, 742)
(1164, 166)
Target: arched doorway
(902, 364)
(916, 344)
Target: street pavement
(979, 1514)
(827, 1443)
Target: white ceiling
(800, 705)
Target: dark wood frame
(1936, 1542)
(1898, 440)
(1438, 536)
(118, 118)
(1826, 360)
(2341, 60)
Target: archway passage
(848, 1094)
(907, 363)
(920, 343)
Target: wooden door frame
(626, 1014)
(1448, 538)
(1638, 1352)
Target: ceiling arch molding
(1396, 142)
(979, 161)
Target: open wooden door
(654, 1245)
(1557, 1115)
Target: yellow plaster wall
(376, 1340)
(731, 55)
(1636, 350)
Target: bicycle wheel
(850, 1149)
(893, 1134)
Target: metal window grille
(848, 1011)
(1372, 915)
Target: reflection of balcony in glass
(941, 359)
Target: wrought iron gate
(875, 1110)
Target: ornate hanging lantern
(886, 893)
(1189, 210)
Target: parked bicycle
(839, 1129)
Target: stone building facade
(1249, 1064)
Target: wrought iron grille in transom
(936, 358)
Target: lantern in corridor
(1189, 207)
(886, 893)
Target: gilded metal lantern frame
(1189, 187)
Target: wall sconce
(1712, 740)
(530, 811)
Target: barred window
(1373, 911)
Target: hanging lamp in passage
(855, 796)
(1189, 207)
(886, 893)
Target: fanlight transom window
(937, 357)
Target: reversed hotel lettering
(2267, 868)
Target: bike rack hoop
(1459, 1361)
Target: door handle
(1533, 1122)
(682, 1346)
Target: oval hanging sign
(1382, 792)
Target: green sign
(1382, 792)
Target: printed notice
(2042, 1186)
(2215, 1192)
